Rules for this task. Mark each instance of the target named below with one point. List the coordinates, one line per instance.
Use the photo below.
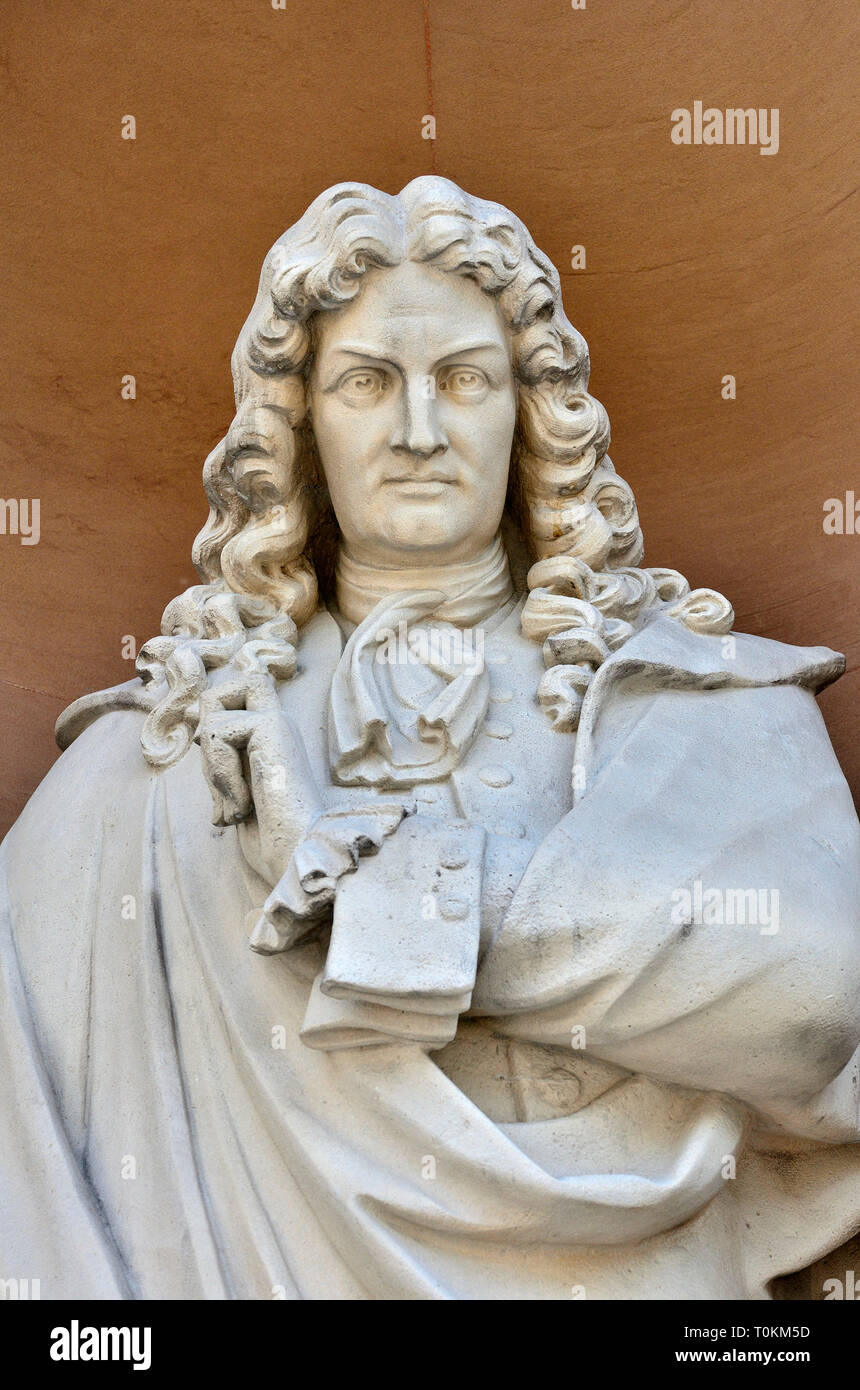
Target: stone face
(452, 907)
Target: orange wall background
(142, 257)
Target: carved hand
(255, 762)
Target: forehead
(412, 309)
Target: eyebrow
(356, 350)
(472, 347)
(360, 350)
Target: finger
(260, 692)
(223, 729)
(254, 691)
(235, 727)
(222, 765)
(230, 694)
(222, 707)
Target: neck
(471, 589)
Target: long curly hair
(267, 543)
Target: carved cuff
(405, 936)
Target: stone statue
(451, 907)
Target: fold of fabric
(261, 1163)
(699, 774)
(399, 717)
(332, 1024)
(173, 1136)
(469, 592)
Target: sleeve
(696, 916)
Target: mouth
(433, 485)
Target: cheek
(325, 421)
(350, 497)
(484, 436)
(342, 432)
(339, 435)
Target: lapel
(666, 655)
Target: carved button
(497, 728)
(512, 829)
(453, 909)
(454, 858)
(496, 776)
(501, 694)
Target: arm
(738, 791)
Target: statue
(451, 907)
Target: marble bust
(451, 907)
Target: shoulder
(733, 659)
(96, 777)
(742, 706)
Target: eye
(468, 382)
(364, 385)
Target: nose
(418, 429)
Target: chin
(423, 532)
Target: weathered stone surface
(453, 907)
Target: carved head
(471, 390)
(406, 376)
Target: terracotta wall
(142, 257)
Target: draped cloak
(166, 1132)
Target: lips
(431, 486)
(421, 478)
